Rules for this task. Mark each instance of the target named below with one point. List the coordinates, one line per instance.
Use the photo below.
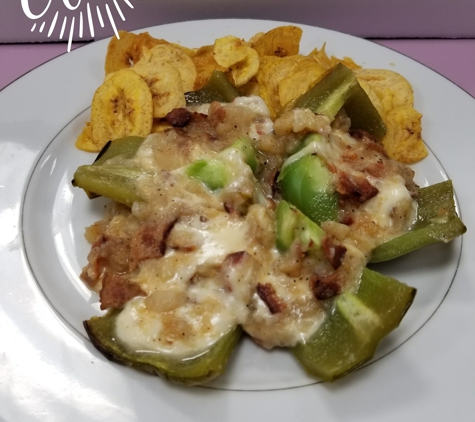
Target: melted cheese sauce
(217, 260)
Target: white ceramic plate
(49, 371)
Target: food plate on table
(52, 368)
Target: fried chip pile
(146, 78)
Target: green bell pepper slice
(112, 181)
(218, 88)
(293, 226)
(437, 221)
(355, 325)
(306, 184)
(190, 371)
(338, 89)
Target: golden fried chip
(124, 52)
(119, 52)
(281, 41)
(121, 106)
(321, 57)
(165, 83)
(205, 64)
(250, 88)
(403, 141)
(298, 82)
(84, 140)
(177, 57)
(144, 41)
(230, 50)
(237, 56)
(160, 126)
(243, 71)
(272, 70)
(392, 88)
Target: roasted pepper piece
(437, 221)
(340, 89)
(293, 225)
(355, 325)
(213, 173)
(306, 184)
(190, 371)
(249, 153)
(218, 88)
(113, 182)
(127, 147)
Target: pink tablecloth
(455, 59)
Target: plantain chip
(272, 70)
(321, 57)
(121, 106)
(205, 64)
(84, 140)
(392, 88)
(298, 82)
(177, 57)
(403, 141)
(165, 83)
(238, 57)
(243, 71)
(160, 126)
(122, 53)
(281, 41)
(229, 50)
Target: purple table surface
(453, 58)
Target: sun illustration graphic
(84, 18)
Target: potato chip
(205, 64)
(124, 52)
(165, 84)
(281, 41)
(271, 71)
(403, 141)
(298, 82)
(177, 57)
(121, 106)
(392, 88)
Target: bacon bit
(178, 117)
(235, 258)
(230, 208)
(333, 252)
(269, 296)
(216, 114)
(355, 188)
(376, 169)
(149, 242)
(107, 254)
(347, 220)
(326, 287)
(117, 290)
(332, 168)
